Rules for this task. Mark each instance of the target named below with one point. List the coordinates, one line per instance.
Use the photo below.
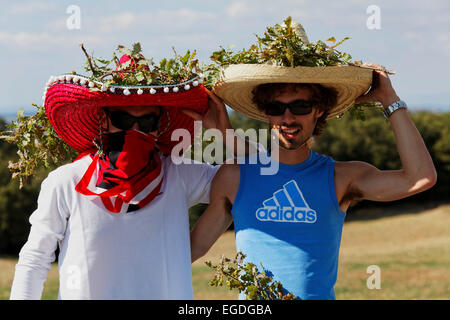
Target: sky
(39, 39)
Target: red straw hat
(73, 107)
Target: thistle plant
(247, 279)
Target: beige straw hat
(237, 81)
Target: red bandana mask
(129, 176)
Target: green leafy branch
(282, 45)
(140, 70)
(37, 143)
(247, 279)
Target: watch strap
(394, 107)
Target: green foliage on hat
(140, 71)
(282, 45)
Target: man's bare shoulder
(347, 175)
(350, 169)
(228, 174)
(346, 172)
(226, 181)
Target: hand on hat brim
(381, 90)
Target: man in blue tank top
(291, 221)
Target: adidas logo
(287, 205)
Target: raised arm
(217, 217)
(417, 174)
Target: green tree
(373, 141)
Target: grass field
(412, 251)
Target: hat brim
(73, 112)
(238, 81)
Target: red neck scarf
(129, 176)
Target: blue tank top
(291, 222)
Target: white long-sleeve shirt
(144, 254)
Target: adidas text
(286, 214)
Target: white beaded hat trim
(126, 90)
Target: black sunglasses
(125, 121)
(297, 107)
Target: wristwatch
(394, 107)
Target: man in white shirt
(119, 213)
